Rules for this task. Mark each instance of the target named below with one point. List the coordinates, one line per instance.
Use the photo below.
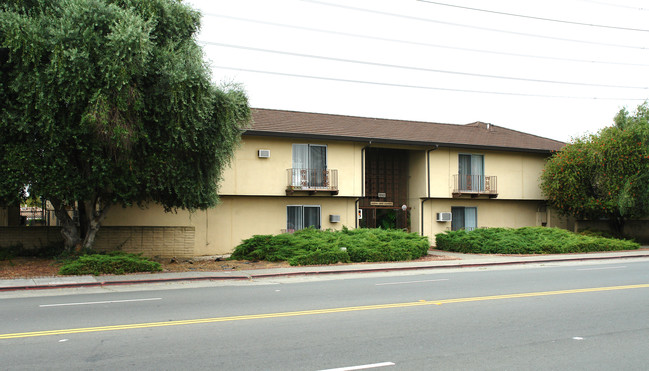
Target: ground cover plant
(527, 240)
(111, 263)
(312, 246)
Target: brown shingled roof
(326, 126)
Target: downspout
(356, 211)
(362, 180)
(427, 186)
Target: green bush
(320, 257)
(113, 263)
(312, 246)
(527, 240)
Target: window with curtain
(464, 218)
(471, 172)
(302, 216)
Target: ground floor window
(302, 216)
(464, 218)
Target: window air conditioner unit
(263, 153)
(334, 218)
(444, 217)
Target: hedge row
(311, 246)
(527, 240)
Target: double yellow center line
(314, 312)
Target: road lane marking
(316, 311)
(407, 282)
(98, 302)
(597, 269)
(361, 367)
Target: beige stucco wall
(218, 230)
(491, 213)
(517, 173)
(417, 186)
(253, 176)
(238, 218)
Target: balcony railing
(475, 185)
(312, 180)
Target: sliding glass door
(309, 165)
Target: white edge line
(403, 283)
(596, 269)
(98, 302)
(361, 367)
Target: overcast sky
(554, 68)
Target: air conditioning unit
(444, 217)
(263, 153)
(334, 218)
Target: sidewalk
(463, 261)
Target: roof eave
(393, 141)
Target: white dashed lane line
(601, 268)
(361, 367)
(98, 302)
(409, 282)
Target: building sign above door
(377, 203)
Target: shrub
(527, 240)
(320, 257)
(311, 246)
(113, 263)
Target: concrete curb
(464, 265)
(242, 277)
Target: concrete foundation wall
(636, 229)
(29, 237)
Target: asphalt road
(572, 316)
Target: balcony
(475, 186)
(312, 181)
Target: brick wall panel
(149, 241)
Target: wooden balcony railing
(475, 185)
(312, 180)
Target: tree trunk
(83, 219)
(95, 214)
(69, 230)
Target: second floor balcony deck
(312, 181)
(475, 186)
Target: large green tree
(604, 175)
(109, 102)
